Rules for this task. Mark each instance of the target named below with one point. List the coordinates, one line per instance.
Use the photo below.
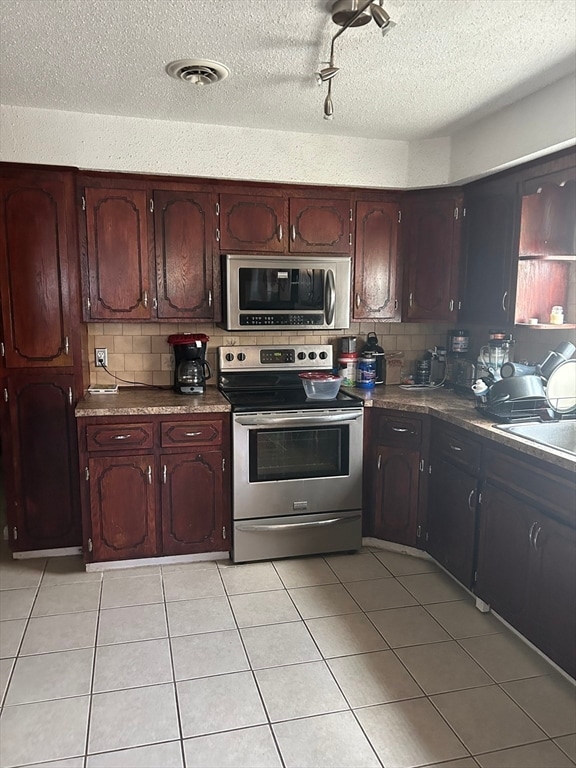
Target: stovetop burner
(265, 378)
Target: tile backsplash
(140, 353)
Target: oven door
(305, 462)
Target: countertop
(441, 403)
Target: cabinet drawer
(399, 430)
(119, 436)
(457, 447)
(532, 481)
(177, 434)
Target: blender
(499, 350)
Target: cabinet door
(376, 262)
(34, 269)
(184, 233)
(491, 215)
(253, 223)
(553, 591)
(451, 520)
(396, 492)
(320, 226)
(117, 259)
(122, 507)
(504, 551)
(431, 253)
(192, 503)
(41, 463)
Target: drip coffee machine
(191, 368)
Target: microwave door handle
(330, 293)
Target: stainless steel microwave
(286, 292)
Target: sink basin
(560, 435)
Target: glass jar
(556, 315)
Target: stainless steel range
(297, 474)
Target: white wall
(537, 125)
(111, 143)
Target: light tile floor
(347, 661)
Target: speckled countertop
(441, 403)
(131, 401)
(459, 410)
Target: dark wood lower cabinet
(192, 502)
(40, 462)
(395, 476)
(122, 507)
(526, 566)
(165, 491)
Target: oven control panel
(277, 358)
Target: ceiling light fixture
(349, 13)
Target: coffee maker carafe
(191, 368)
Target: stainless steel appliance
(297, 468)
(280, 291)
(191, 369)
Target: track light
(349, 13)
(326, 74)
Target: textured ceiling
(446, 64)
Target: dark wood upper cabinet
(376, 290)
(117, 254)
(488, 263)
(192, 502)
(42, 484)
(37, 243)
(320, 226)
(431, 250)
(253, 223)
(268, 224)
(184, 235)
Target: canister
(347, 368)
(366, 371)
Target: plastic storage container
(347, 368)
(320, 386)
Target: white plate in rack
(561, 388)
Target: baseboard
(111, 565)
(62, 552)
(391, 546)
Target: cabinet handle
(350, 239)
(5, 395)
(455, 447)
(149, 473)
(293, 233)
(145, 298)
(86, 473)
(470, 507)
(192, 434)
(164, 474)
(535, 539)
(504, 304)
(217, 234)
(357, 301)
(209, 298)
(410, 297)
(70, 395)
(151, 205)
(217, 209)
(395, 303)
(379, 460)
(154, 303)
(421, 465)
(121, 437)
(451, 305)
(90, 545)
(66, 345)
(403, 429)
(280, 232)
(2, 350)
(530, 532)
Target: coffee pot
(191, 369)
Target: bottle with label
(557, 315)
(366, 377)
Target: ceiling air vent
(198, 71)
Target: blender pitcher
(497, 352)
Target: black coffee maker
(191, 368)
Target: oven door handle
(330, 293)
(294, 526)
(300, 420)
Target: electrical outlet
(101, 358)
